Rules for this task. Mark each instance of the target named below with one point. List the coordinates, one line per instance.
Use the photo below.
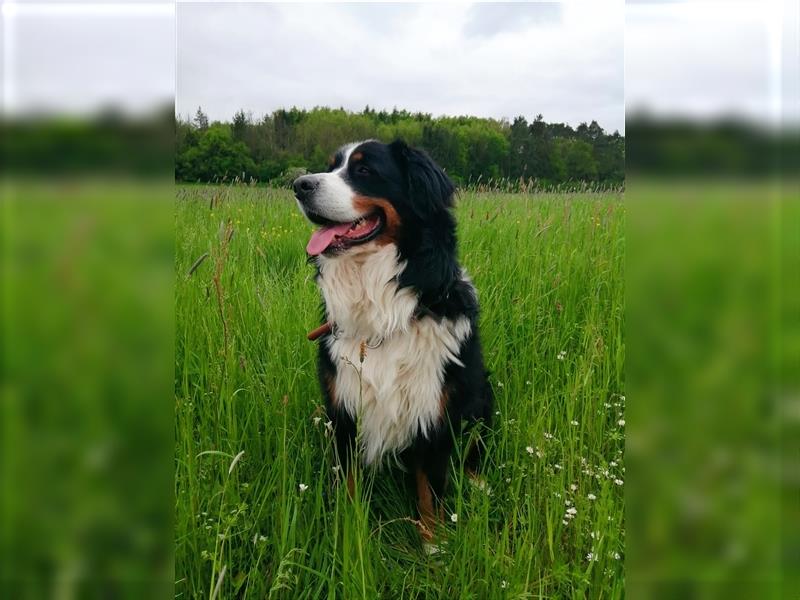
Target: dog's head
(373, 191)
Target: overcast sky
(696, 58)
(493, 60)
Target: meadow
(258, 513)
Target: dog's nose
(304, 186)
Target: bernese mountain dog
(400, 361)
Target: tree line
(276, 146)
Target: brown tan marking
(330, 382)
(365, 205)
(356, 157)
(427, 514)
(444, 400)
(351, 485)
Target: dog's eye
(363, 170)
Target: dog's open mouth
(337, 236)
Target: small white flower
(539, 453)
(568, 502)
(618, 481)
(497, 413)
(613, 463)
(527, 382)
(500, 384)
(336, 468)
(454, 518)
(548, 436)
(616, 556)
(591, 557)
(622, 398)
(621, 422)
(574, 422)
(529, 449)
(572, 510)
(504, 584)
(591, 497)
(565, 522)
(558, 466)
(303, 487)
(317, 420)
(562, 355)
(573, 487)
(329, 425)
(508, 479)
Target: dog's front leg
(432, 461)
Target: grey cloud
(486, 20)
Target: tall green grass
(250, 427)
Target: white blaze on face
(333, 199)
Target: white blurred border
(130, 67)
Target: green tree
(578, 159)
(200, 119)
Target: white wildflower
(574, 422)
(303, 487)
(591, 497)
(454, 518)
(621, 422)
(618, 481)
(529, 449)
(573, 487)
(317, 420)
(562, 355)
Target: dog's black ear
(429, 188)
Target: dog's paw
(479, 483)
(430, 548)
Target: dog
(400, 361)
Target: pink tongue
(323, 237)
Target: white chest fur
(396, 392)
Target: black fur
(422, 195)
